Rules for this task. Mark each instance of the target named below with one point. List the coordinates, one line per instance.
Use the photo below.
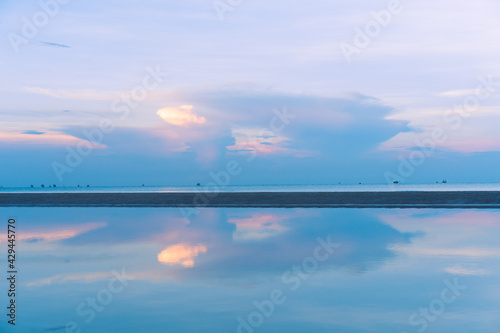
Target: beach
(413, 199)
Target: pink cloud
(55, 234)
(47, 138)
(263, 142)
(180, 116)
(181, 254)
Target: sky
(292, 92)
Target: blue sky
(181, 92)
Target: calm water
(266, 188)
(254, 270)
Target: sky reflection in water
(205, 275)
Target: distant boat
(396, 182)
(198, 184)
(445, 181)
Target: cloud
(227, 125)
(88, 94)
(58, 233)
(257, 243)
(467, 219)
(208, 142)
(320, 127)
(464, 141)
(459, 270)
(33, 132)
(180, 116)
(181, 254)
(256, 140)
(469, 132)
(54, 45)
(462, 93)
(470, 252)
(52, 138)
(258, 226)
(270, 243)
(62, 278)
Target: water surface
(222, 271)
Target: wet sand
(434, 199)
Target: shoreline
(408, 199)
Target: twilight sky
(300, 92)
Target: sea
(258, 188)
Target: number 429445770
(11, 239)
